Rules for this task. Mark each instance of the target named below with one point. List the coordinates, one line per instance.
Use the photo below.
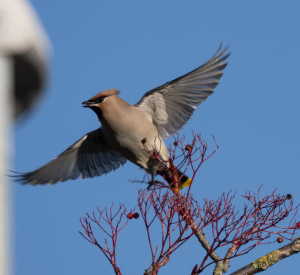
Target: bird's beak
(87, 104)
(93, 106)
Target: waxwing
(161, 112)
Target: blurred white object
(23, 39)
(23, 65)
(5, 150)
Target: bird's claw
(154, 182)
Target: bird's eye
(100, 99)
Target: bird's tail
(182, 179)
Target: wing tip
(22, 178)
(219, 55)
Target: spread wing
(171, 105)
(89, 157)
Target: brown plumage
(108, 92)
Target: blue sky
(136, 46)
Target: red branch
(185, 155)
(112, 233)
(180, 216)
(170, 210)
(243, 231)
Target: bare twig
(180, 217)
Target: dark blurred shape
(29, 77)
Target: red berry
(279, 239)
(144, 140)
(188, 148)
(175, 143)
(136, 215)
(129, 216)
(298, 224)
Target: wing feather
(89, 157)
(171, 105)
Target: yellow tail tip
(185, 184)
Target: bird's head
(98, 102)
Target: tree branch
(270, 259)
(205, 244)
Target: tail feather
(182, 179)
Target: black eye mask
(100, 99)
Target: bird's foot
(154, 182)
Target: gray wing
(171, 105)
(89, 157)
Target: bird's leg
(153, 182)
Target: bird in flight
(161, 112)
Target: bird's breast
(126, 132)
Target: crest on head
(108, 92)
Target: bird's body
(161, 112)
(124, 128)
